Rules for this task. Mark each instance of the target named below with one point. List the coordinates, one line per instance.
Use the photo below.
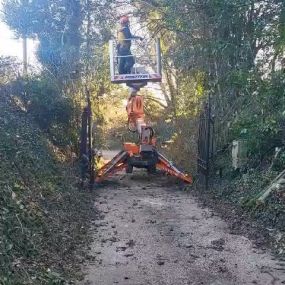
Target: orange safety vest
(122, 40)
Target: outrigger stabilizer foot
(134, 156)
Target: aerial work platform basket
(147, 62)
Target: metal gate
(205, 145)
(86, 141)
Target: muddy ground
(149, 231)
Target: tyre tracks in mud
(151, 232)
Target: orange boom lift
(143, 154)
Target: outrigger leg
(130, 157)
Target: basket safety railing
(146, 57)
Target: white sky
(11, 46)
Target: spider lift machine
(144, 154)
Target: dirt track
(151, 232)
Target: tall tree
(56, 24)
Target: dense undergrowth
(241, 189)
(40, 238)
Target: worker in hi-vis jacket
(126, 59)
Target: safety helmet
(124, 20)
(99, 153)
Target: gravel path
(151, 232)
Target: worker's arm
(128, 34)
